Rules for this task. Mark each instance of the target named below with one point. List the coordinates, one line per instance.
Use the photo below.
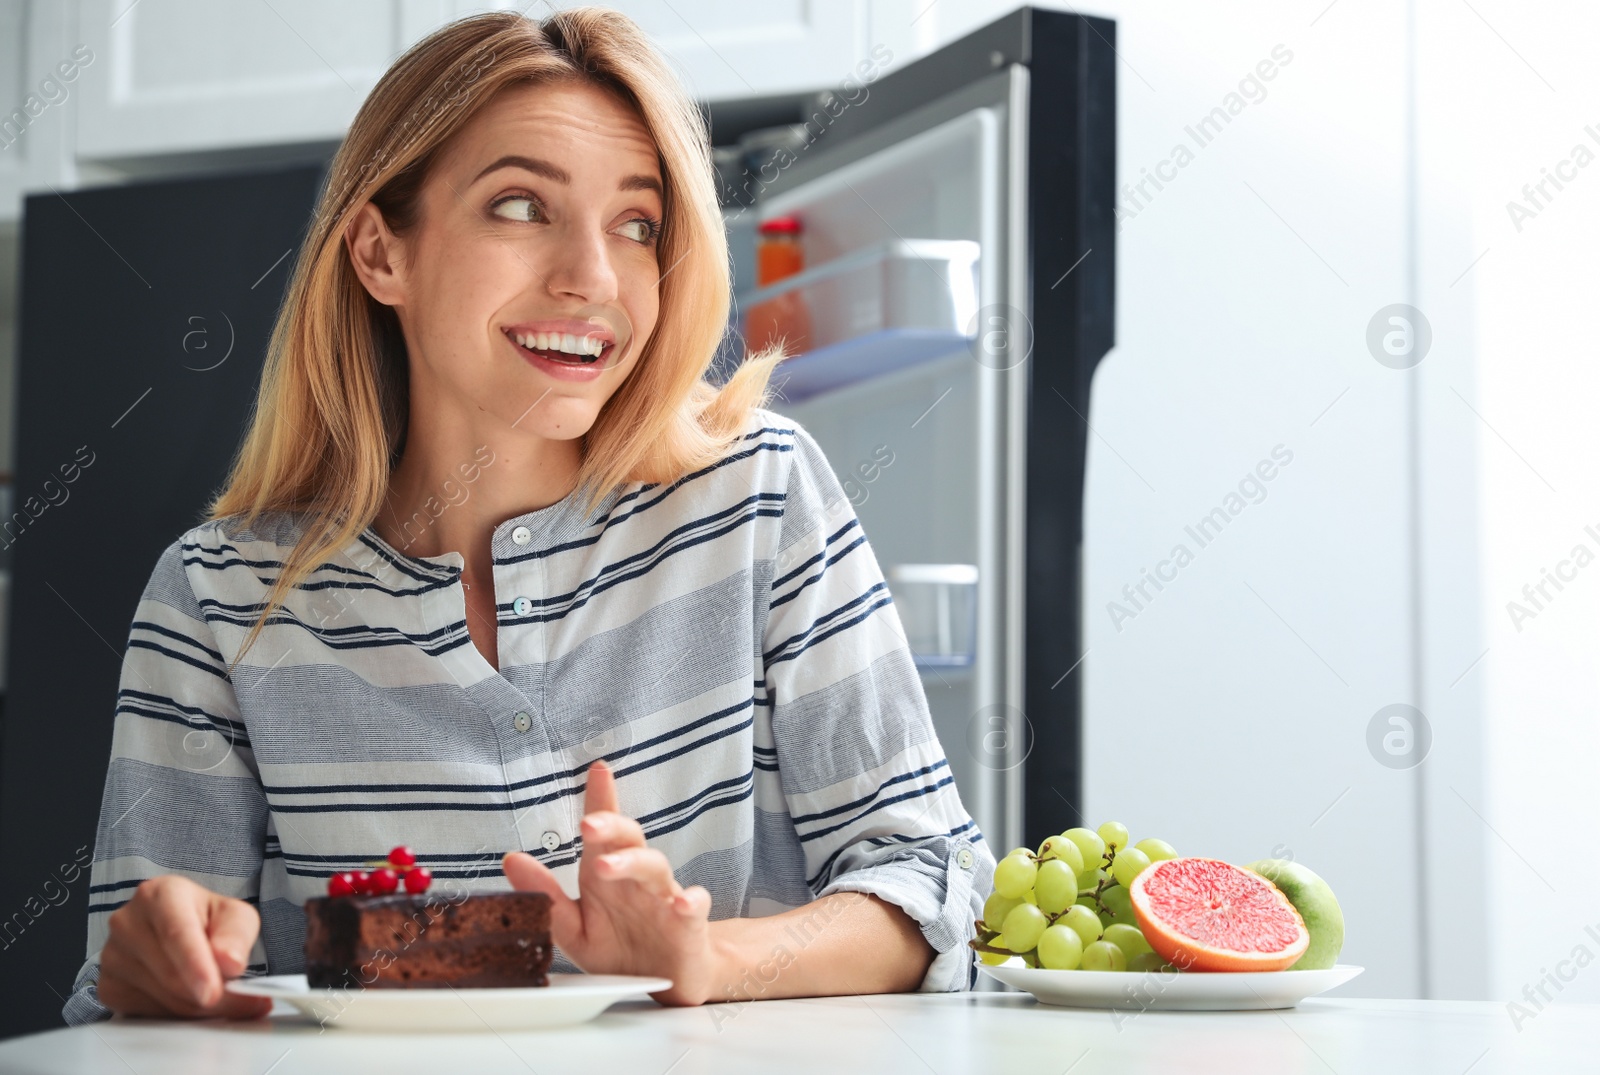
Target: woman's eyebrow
(560, 175)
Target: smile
(575, 342)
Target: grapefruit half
(1203, 914)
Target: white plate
(1220, 991)
(568, 999)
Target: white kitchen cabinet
(36, 101)
(732, 48)
(13, 79)
(185, 76)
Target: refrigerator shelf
(938, 609)
(867, 313)
(926, 662)
(825, 369)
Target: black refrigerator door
(145, 313)
(1072, 180)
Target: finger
(143, 970)
(179, 929)
(168, 937)
(608, 831)
(128, 986)
(600, 791)
(693, 902)
(645, 865)
(528, 874)
(232, 926)
(125, 998)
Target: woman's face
(538, 222)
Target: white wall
(1230, 713)
(1416, 508)
(1503, 107)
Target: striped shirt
(725, 641)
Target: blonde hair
(331, 414)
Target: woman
(491, 528)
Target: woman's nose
(579, 264)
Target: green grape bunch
(1066, 906)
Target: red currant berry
(418, 879)
(363, 883)
(342, 884)
(402, 856)
(384, 881)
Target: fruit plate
(1223, 991)
(568, 999)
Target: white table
(965, 1033)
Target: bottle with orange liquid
(778, 255)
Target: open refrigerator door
(922, 229)
(903, 247)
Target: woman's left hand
(631, 915)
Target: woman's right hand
(170, 949)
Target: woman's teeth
(582, 348)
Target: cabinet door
(41, 82)
(731, 48)
(175, 76)
(178, 76)
(14, 74)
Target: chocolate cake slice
(404, 941)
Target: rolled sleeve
(866, 781)
(927, 880)
(83, 1003)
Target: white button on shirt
(726, 641)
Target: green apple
(1316, 903)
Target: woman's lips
(567, 367)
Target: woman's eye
(525, 207)
(646, 230)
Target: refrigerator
(957, 231)
(959, 248)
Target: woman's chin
(554, 417)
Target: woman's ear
(377, 256)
